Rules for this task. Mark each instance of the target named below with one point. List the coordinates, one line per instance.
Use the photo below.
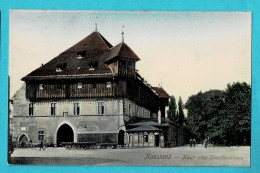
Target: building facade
(90, 92)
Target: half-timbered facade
(90, 92)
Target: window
(150, 138)
(130, 107)
(41, 135)
(93, 65)
(31, 109)
(136, 138)
(101, 108)
(79, 85)
(130, 139)
(41, 87)
(108, 84)
(58, 69)
(65, 114)
(53, 108)
(93, 86)
(140, 138)
(145, 138)
(59, 87)
(137, 110)
(79, 56)
(76, 108)
(61, 67)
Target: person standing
(194, 142)
(190, 142)
(41, 145)
(206, 142)
(31, 145)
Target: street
(178, 156)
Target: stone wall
(30, 126)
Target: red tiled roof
(161, 92)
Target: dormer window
(93, 65)
(41, 87)
(108, 84)
(79, 56)
(91, 68)
(61, 67)
(79, 85)
(58, 69)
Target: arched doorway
(64, 134)
(23, 138)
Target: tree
(181, 113)
(223, 116)
(172, 109)
(204, 113)
(237, 121)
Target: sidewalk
(178, 156)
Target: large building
(91, 92)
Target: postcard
(130, 88)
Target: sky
(185, 52)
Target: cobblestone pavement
(178, 156)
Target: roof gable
(92, 45)
(161, 92)
(122, 50)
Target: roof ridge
(104, 40)
(120, 47)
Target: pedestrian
(205, 143)
(41, 145)
(22, 144)
(194, 142)
(30, 143)
(190, 142)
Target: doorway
(64, 134)
(23, 138)
(157, 140)
(121, 136)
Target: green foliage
(237, 113)
(172, 109)
(223, 116)
(181, 113)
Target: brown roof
(122, 50)
(94, 44)
(161, 92)
(73, 66)
(94, 49)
